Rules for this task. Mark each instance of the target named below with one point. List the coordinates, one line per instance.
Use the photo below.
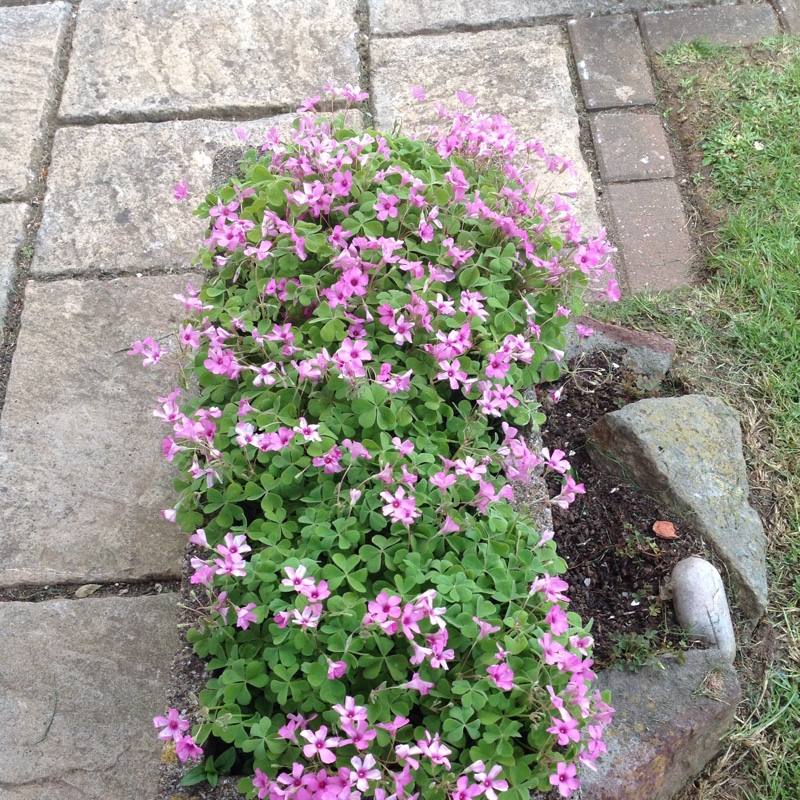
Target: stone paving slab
(741, 25)
(136, 60)
(411, 16)
(631, 147)
(611, 63)
(789, 11)
(82, 479)
(650, 231)
(520, 73)
(30, 40)
(80, 681)
(12, 221)
(109, 204)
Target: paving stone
(136, 60)
(80, 681)
(631, 147)
(109, 204)
(740, 25)
(650, 231)
(667, 726)
(82, 480)
(412, 16)
(30, 39)
(789, 11)
(12, 220)
(611, 62)
(520, 73)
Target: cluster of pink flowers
(445, 341)
(174, 728)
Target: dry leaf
(664, 529)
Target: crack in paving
(66, 591)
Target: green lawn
(738, 337)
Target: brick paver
(80, 681)
(12, 218)
(740, 25)
(521, 74)
(611, 62)
(631, 147)
(649, 227)
(412, 16)
(30, 38)
(109, 204)
(156, 60)
(82, 480)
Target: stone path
(107, 103)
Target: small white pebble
(615, 489)
(569, 415)
(587, 581)
(634, 602)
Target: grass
(738, 337)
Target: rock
(520, 73)
(701, 606)
(136, 61)
(646, 354)
(82, 479)
(80, 682)
(30, 40)
(686, 452)
(666, 728)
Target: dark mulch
(618, 568)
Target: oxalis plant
(380, 618)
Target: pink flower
(173, 725)
(451, 371)
(465, 99)
(363, 772)
(245, 615)
(394, 725)
(320, 745)
(386, 206)
(486, 628)
(187, 749)
(501, 676)
(465, 790)
(565, 729)
(489, 783)
(406, 448)
(418, 93)
(180, 191)
(564, 778)
(399, 507)
(336, 669)
(423, 687)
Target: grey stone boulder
(666, 728)
(686, 452)
(701, 605)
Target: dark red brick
(631, 147)
(735, 25)
(649, 227)
(611, 62)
